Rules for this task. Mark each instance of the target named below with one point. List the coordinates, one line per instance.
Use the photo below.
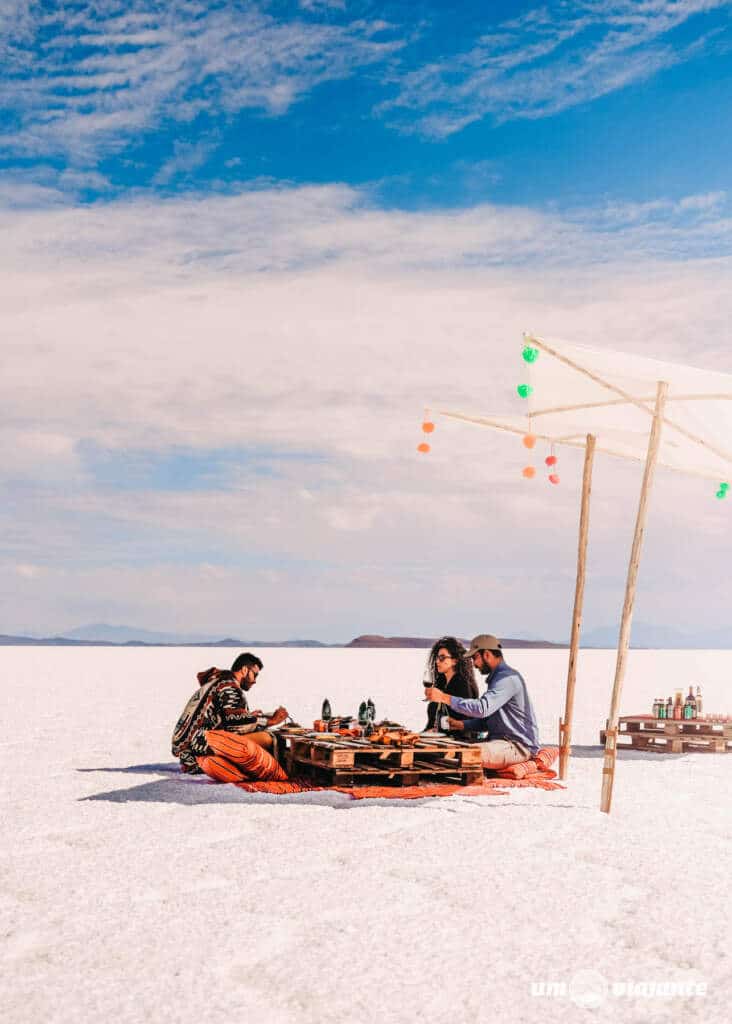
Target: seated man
(220, 703)
(504, 711)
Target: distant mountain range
(374, 640)
(661, 638)
(103, 635)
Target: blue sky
(443, 103)
(246, 243)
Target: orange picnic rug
(236, 760)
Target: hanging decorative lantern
(530, 354)
(424, 447)
(525, 390)
(427, 427)
(529, 440)
(551, 460)
(528, 472)
(553, 478)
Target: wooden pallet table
(672, 736)
(333, 760)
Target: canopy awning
(576, 390)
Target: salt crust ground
(130, 895)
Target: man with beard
(220, 703)
(504, 711)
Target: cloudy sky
(245, 244)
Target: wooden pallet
(674, 726)
(672, 736)
(338, 761)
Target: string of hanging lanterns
(530, 354)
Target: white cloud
(549, 59)
(323, 327)
(151, 63)
(186, 157)
(316, 5)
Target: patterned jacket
(218, 703)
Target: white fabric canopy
(578, 391)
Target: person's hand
(432, 693)
(455, 724)
(278, 716)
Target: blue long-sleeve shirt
(504, 711)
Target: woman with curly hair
(449, 670)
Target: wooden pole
(608, 769)
(565, 724)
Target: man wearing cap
(504, 711)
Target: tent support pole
(608, 769)
(565, 724)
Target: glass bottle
(691, 701)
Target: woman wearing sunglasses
(449, 670)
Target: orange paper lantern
(423, 447)
(529, 440)
(428, 427)
(529, 472)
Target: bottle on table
(669, 708)
(655, 707)
(678, 706)
(691, 701)
(688, 710)
(371, 709)
(363, 713)
(699, 705)
(326, 714)
(661, 708)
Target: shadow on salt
(194, 790)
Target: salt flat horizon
(130, 892)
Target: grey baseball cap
(483, 642)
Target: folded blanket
(534, 771)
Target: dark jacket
(457, 687)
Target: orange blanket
(240, 761)
(537, 771)
(486, 788)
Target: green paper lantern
(525, 390)
(530, 354)
(721, 494)
(724, 487)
